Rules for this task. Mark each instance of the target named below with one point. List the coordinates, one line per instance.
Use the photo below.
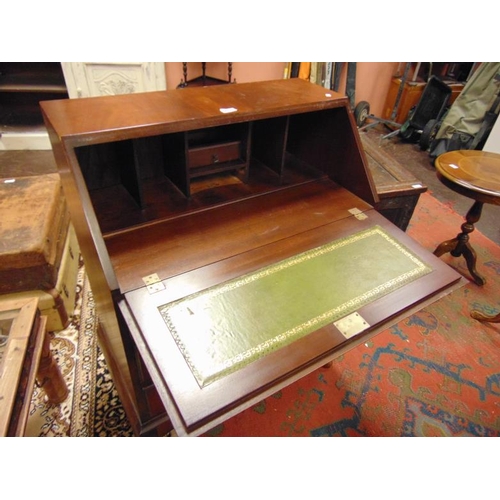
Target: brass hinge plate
(358, 213)
(153, 283)
(351, 325)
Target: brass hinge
(358, 213)
(351, 325)
(153, 283)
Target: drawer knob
(215, 158)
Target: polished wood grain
(181, 244)
(475, 174)
(108, 118)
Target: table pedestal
(476, 175)
(460, 245)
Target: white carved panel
(90, 79)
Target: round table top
(477, 171)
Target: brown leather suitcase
(34, 240)
(33, 226)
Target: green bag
(464, 126)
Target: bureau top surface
(97, 119)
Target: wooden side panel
(98, 268)
(175, 160)
(328, 141)
(269, 142)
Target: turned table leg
(460, 245)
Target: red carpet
(437, 373)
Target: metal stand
(376, 120)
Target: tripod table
(476, 175)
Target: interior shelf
(140, 181)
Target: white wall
(493, 142)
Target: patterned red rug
(437, 373)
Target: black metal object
(431, 106)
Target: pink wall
(372, 78)
(372, 83)
(242, 71)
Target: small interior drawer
(214, 154)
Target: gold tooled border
(299, 331)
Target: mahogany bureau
(223, 229)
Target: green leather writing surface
(225, 327)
